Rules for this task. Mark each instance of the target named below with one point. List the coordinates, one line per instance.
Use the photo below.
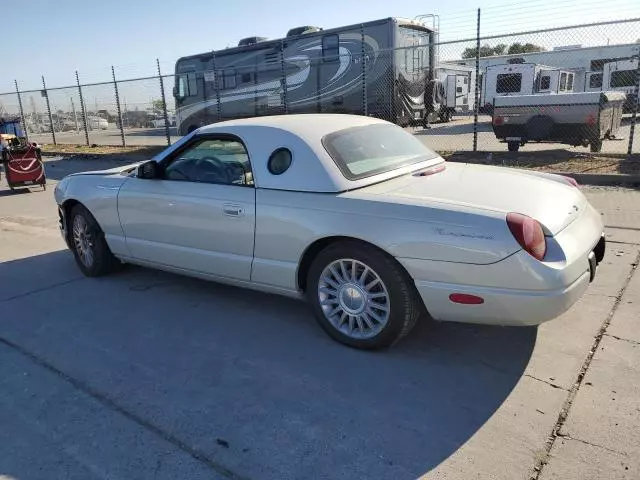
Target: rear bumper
(501, 306)
(518, 290)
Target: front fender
(99, 195)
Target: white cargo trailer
(459, 84)
(523, 79)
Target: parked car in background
(352, 213)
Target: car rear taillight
(571, 181)
(528, 233)
(498, 120)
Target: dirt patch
(552, 161)
(134, 154)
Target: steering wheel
(213, 170)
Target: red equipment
(23, 165)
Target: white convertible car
(351, 212)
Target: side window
(247, 77)
(211, 160)
(570, 82)
(545, 82)
(595, 80)
(563, 82)
(279, 161)
(187, 85)
(330, 48)
(229, 79)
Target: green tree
(157, 106)
(518, 47)
(485, 51)
(501, 49)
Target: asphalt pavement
(143, 374)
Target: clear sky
(55, 37)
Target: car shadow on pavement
(250, 379)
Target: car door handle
(232, 210)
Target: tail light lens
(528, 233)
(571, 181)
(498, 120)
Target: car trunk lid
(548, 199)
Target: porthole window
(279, 161)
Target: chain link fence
(480, 94)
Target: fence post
(115, 88)
(164, 105)
(46, 96)
(284, 78)
(634, 116)
(216, 85)
(477, 92)
(22, 119)
(84, 112)
(363, 61)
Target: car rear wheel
(361, 297)
(89, 247)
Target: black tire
(404, 304)
(595, 146)
(513, 146)
(103, 260)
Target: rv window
(545, 82)
(330, 48)
(466, 80)
(623, 78)
(193, 85)
(229, 79)
(509, 83)
(246, 77)
(595, 81)
(570, 82)
(187, 86)
(563, 82)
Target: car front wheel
(361, 297)
(89, 247)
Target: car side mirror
(148, 170)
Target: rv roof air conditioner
(302, 30)
(251, 41)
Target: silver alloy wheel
(83, 240)
(354, 298)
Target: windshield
(369, 150)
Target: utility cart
(21, 160)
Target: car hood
(123, 169)
(544, 197)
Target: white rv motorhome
(523, 79)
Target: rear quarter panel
(287, 223)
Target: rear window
(361, 152)
(509, 83)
